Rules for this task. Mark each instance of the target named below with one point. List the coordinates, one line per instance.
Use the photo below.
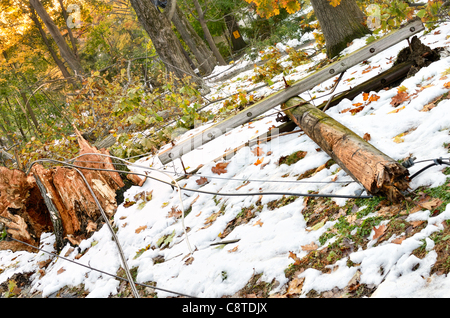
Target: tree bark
(204, 56)
(237, 41)
(378, 173)
(163, 38)
(209, 39)
(64, 49)
(340, 25)
(55, 57)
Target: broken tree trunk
(22, 209)
(72, 207)
(58, 199)
(378, 173)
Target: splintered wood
(58, 199)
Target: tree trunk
(237, 41)
(212, 44)
(378, 173)
(340, 25)
(22, 209)
(204, 56)
(64, 49)
(69, 30)
(55, 57)
(163, 38)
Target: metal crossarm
(295, 89)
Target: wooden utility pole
(378, 173)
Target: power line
(99, 270)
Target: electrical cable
(217, 193)
(223, 178)
(99, 270)
(119, 247)
(436, 162)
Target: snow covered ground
(265, 242)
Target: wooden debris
(378, 173)
(58, 199)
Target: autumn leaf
(258, 151)
(365, 96)
(128, 203)
(295, 286)
(356, 110)
(334, 3)
(399, 138)
(447, 85)
(374, 98)
(174, 212)
(295, 258)
(140, 229)
(310, 247)
(357, 104)
(259, 161)
(202, 181)
(60, 271)
(398, 240)
(233, 249)
(220, 168)
(366, 137)
(379, 231)
(428, 107)
(398, 99)
(397, 110)
(258, 223)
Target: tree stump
(58, 199)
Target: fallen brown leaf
(140, 229)
(202, 181)
(294, 257)
(310, 247)
(60, 271)
(258, 223)
(398, 240)
(233, 249)
(295, 286)
(258, 152)
(366, 137)
(379, 231)
(220, 168)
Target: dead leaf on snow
(201, 181)
(60, 271)
(258, 223)
(366, 137)
(234, 249)
(294, 257)
(220, 168)
(401, 97)
(428, 107)
(189, 261)
(259, 161)
(310, 247)
(258, 152)
(140, 229)
(174, 212)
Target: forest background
(91, 64)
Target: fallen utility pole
(299, 87)
(378, 173)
